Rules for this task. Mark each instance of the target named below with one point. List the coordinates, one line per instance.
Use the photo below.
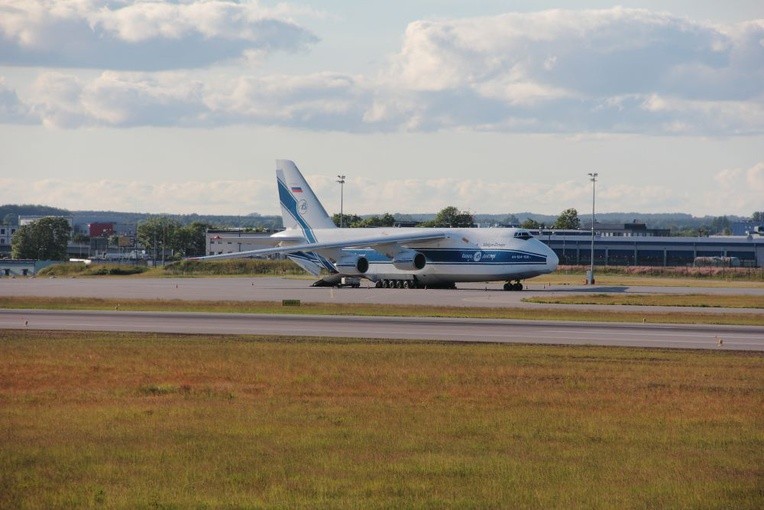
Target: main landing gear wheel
(398, 284)
(513, 286)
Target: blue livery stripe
(290, 204)
(439, 256)
(316, 259)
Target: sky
(498, 107)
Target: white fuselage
(463, 255)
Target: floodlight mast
(341, 181)
(590, 279)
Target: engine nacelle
(409, 260)
(352, 264)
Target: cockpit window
(523, 234)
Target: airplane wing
(374, 242)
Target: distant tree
(685, 232)
(451, 217)
(348, 220)
(43, 239)
(386, 220)
(720, 224)
(531, 224)
(192, 239)
(758, 217)
(159, 233)
(568, 219)
(11, 219)
(511, 220)
(30, 210)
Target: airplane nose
(552, 260)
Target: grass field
(683, 300)
(91, 420)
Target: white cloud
(487, 196)
(58, 100)
(738, 188)
(320, 101)
(624, 70)
(186, 197)
(12, 110)
(755, 179)
(142, 35)
(613, 70)
(736, 191)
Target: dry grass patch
(171, 421)
(684, 300)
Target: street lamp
(590, 279)
(341, 180)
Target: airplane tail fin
(300, 208)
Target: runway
(276, 289)
(452, 330)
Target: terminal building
(612, 246)
(574, 248)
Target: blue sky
(496, 107)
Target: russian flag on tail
(296, 189)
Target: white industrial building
(234, 241)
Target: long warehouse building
(574, 247)
(747, 251)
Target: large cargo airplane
(397, 257)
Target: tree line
(47, 238)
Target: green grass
(684, 300)
(706, 274)
(200, 268)
(90, 420)
(232, 267)
(80, 269)
(362, 309)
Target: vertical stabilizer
(300, 208)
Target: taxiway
(276, 289)
(403, 328)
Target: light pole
(341, 180)
(593, 178)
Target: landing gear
(513, 286)
(398, 284)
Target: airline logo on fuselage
(477, 256)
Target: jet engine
(409, 260)
(352, 264)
